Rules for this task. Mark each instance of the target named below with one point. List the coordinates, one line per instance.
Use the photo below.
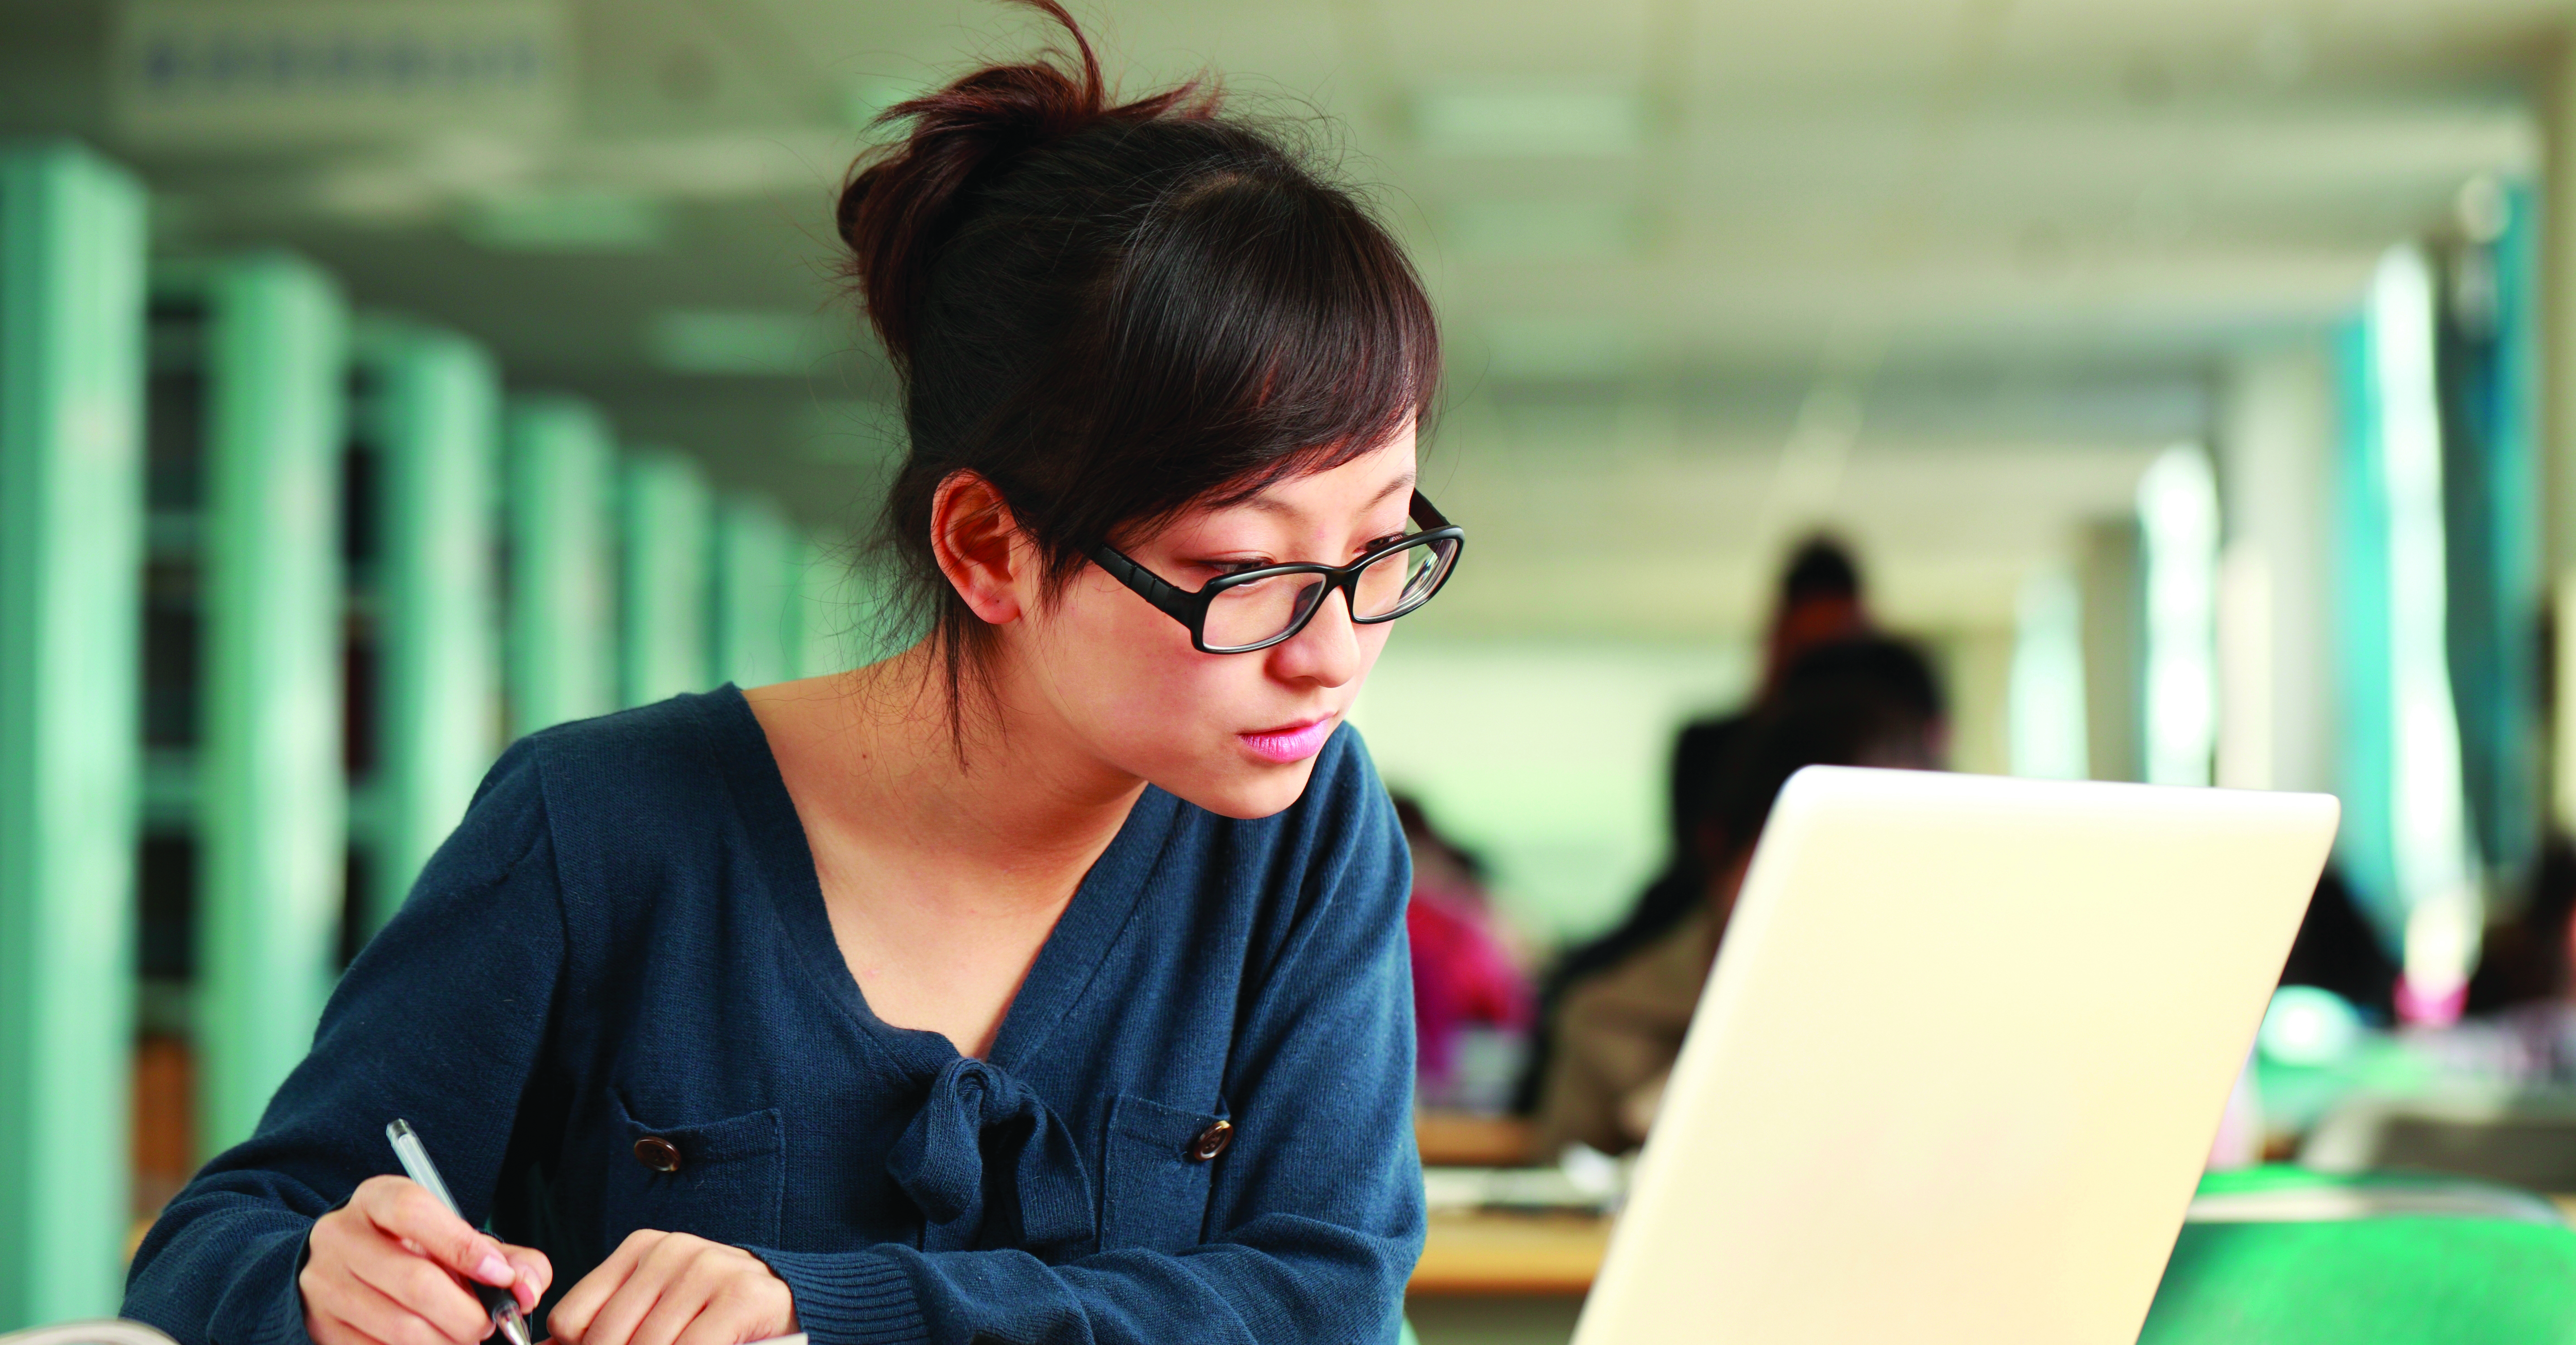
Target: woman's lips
(1295, 742)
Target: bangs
(1253, 331)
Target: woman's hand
(674, 1289)
(381, 1270)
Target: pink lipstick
(1295, 742)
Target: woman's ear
(978, 546)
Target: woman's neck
(1003, 804)
(943, 871)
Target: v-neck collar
(1066, 963)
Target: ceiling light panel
(578, 220)
(241, 74)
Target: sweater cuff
(850, 1298)
(283, 1323)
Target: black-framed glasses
(1255, 609)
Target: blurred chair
(99, 1331)
(2286, 1256)
(2523, 1139)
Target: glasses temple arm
(1148, 585)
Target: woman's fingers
(670, 1288)
(657, 1272)
(376, 1316)
(420, 1288)
(686, 1288)
(329, 1303)
(573, 1316)
(383, 1270)
(721, 1295)
(534, 1274)
(329, 1330)
(724, 1320)
(348, 1250)
(744, 1310)
(405, 1209)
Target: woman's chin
(1248, 791)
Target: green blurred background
(2114, 336)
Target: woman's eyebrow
(1266, 504)
(1401, 483)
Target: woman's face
(1236, 734)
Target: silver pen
(503, 1304)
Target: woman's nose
(1327, 651)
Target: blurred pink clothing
(1461, 976)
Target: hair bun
(898, 202)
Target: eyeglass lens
(1248, 614)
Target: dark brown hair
(1114, 312)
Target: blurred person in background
(1468, 989)
(2523, 960)
(1700, 753)
(1614, 1032)
(2337, 950)
(2520, 1027)
(1820, 602)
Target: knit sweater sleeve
(1315, 1215)
(440, 1021)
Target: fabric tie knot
(991, 1166)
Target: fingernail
(526, 1293)
(493, 1269)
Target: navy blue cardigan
(625, 938)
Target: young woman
(1045, 982)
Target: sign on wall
(216, 74)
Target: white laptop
(1960, 1063)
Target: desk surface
(1466, 1140)
(1490, 1252)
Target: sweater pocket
(721, 1180)
(1154, 1183)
